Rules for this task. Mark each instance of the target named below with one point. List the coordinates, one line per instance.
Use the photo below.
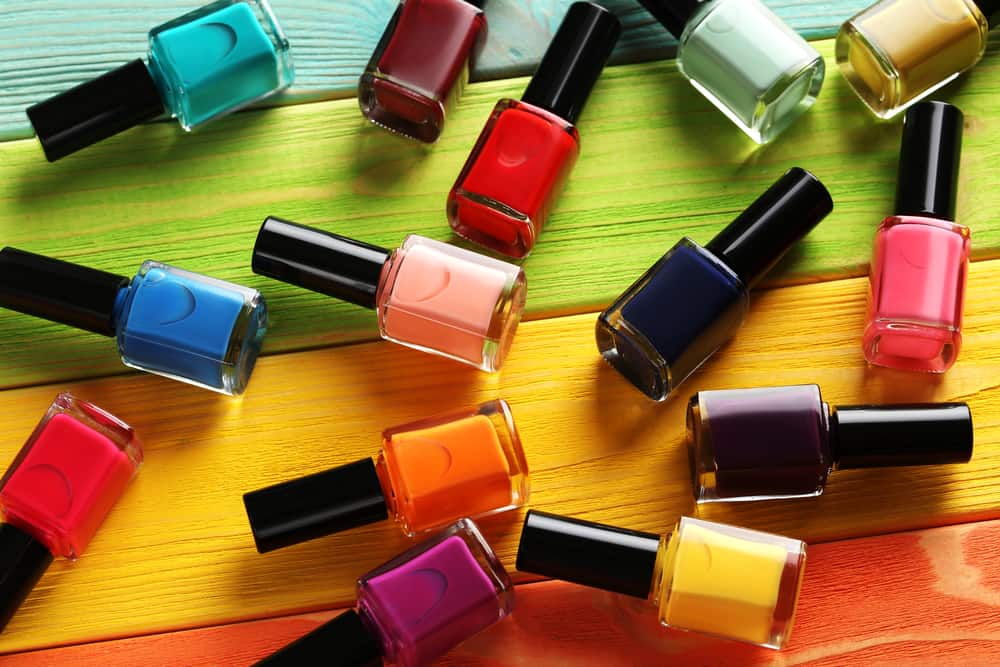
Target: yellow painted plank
(658, 162)
(177, 551)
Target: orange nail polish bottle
(428, 474)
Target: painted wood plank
(658, 162)
(888, 600)
(176, 553)
(52, 45)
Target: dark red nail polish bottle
(421, 64)
(528, 147)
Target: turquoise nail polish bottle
(203, 65)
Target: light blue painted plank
(47, 46)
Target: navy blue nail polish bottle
(671, 320)
(167, 321)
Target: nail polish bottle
(203, 65)
(167, 321)
(783, 442)
(704, 577)
(671, 320)
(421, 65)
(898, 52)
(415, 608)
(429, 295)
(755, 69)
(427, 474)
(921, 255)
(57, 491)
(523, 156)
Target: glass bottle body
(756, 444)
(438, 298)
(421, 65)
(513, 177)
(434, 596)
(759, 72)
(918, 274)
(190, 327)
(69, 474)
(671, 320)
(898, 52)
(219, 58)
(468, 464)
(729, 582)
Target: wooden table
(902, 571)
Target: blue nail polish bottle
(167, 321)
(684, 308)
(203, 65)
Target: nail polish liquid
(416, 607)
(421, 65)
(205, 64)
(523, 156)
(428, 295)
(57, 491)
(920, 257)
(428, 474)
(783, 442)
(737, 53)
(688, 304)
(167, 321)
(703, 577)
(897, 52)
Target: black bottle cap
(341, 642)
(574, 60)
(316, 505)
(477, 3)
(929, 158)
(59, 291)
(761, 235)
(673, 14)
(95, 110)
(869, 436)
(587, 553)
(23, 561)
(319, 261)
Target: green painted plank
(51, 45)
(657, 162)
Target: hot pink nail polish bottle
(429, 295)
(921, 255)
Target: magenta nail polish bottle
(414, 608)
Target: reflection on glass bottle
(429, 295)
(203, 65)
(167, 321)
(57, 492)
(415, 608)
(428, 474)
(755, 69)
(697, 576)
(671, 320)
(783, 442)
(898, 52)
(421, 65)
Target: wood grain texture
(888, 600)
(52, 45)
(658, 162)
(176, 552)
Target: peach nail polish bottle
(428, 295)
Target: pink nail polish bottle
(415, 608)
(428, 295)
(921, 255)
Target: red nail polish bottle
(421, 65)
(58, 490)
(528, 147)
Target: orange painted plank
(888, 600)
